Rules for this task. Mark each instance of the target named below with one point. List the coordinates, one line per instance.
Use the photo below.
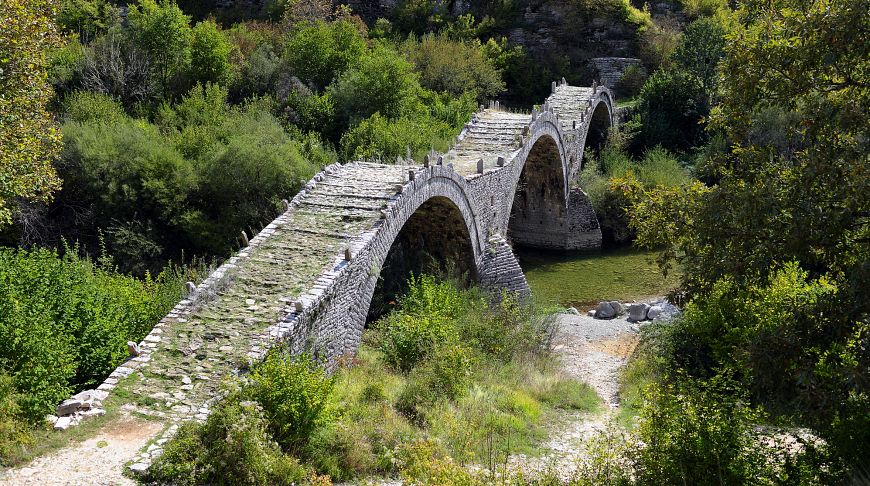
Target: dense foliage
(29, 138)
(776, 251)
(65, 322)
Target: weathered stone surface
(63, 423)
(618, 308)
(637, 312)
(605, 311)
(133, 349)
(68, 406)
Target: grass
(502, 412)
(582, 280)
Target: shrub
(14, 429)
(631, 81)
(319, 52)
(87, 18)
(85, 107)
(694, 432)
(381, 81)
(454, 67)
(671, 106)
(406, 339)
(657, 44)
(209, 53)
(232, 447)
(294, 393)
(380, 138)
(64, 322)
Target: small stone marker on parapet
(191, 288)
(480, 166)
(286, 205)
(412, 174)
(244, 239)
(133, 349)
(348, 255)
(440, 160)
(426, 161)
(500, 162)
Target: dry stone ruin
(310, 278)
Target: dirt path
(97, 461)
(592, 351)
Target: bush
(380, 138)
(231, 447)
(631, 81)
(65, 322)
(444, 375)
(671, 106)
(87, 107)
(294, 393)
(87, 18)
(320, 52)
(454, 67)
(14, 429)
(381, 81)
(696, 431)
(209, 54)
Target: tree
(381, 81)
(700, 50)
(671, 106)
(29, 137)
(163, 31)
(319, 52)
(454, 67)
(209, 53)
(798, 203)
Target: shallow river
(582, 280)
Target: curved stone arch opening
(599, 126)
(439, 236)
(539, 207)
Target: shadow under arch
(599, 127)
(434, 240)
(539, 206)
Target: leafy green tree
(454, 67)
(380, 82)
(700, 50)
(320, 52)
(163, 31)
(29, 138)
(87, 18)
(209, 53)
(802, 196)
(670, 108)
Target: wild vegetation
(443, 373)
(162, 129)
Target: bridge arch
(597, 127)
(433, 216)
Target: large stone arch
(540, 200)
(436, 195)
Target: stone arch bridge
(309, 277)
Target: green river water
(582, 280)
